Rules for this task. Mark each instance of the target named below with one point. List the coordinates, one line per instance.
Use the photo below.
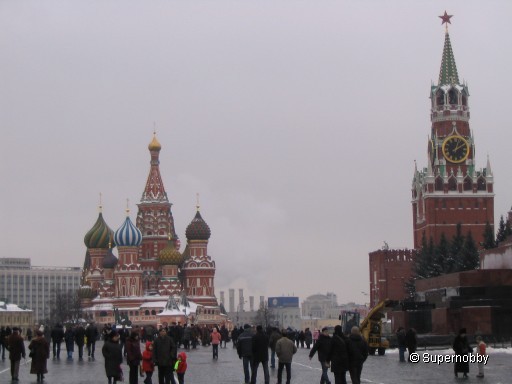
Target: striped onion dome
(170, 255)
(110, 260)
(99, 235)
(128, 235)
(198, 229)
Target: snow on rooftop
(11, 308)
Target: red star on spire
(446, 18)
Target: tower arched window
(453, 97)
(468, 183)
(452, 183)
(464, 99)
(481, 184)
(439, 97)
(439, 183)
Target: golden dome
(155, 144)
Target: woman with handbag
(39, 352)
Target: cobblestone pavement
(228, 369)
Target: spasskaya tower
(450, 190)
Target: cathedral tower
(450, 190)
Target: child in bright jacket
(181, 366)
(147, 362)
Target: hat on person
(246, 326)
(15, 329)
(325, 329)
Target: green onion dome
(100, 235)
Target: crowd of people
(147, 349)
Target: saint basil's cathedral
(150, 281)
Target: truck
(371, 327)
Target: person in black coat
(338, 356)
(402, 343)
(133, 356)
(323, 346)
(91, 332)
(164, 356)
(57, 335)
(412, 341)
(244, 350)
(79, 340)
(461, 347)
(113, 358)
(357, 354)
(259, 354)
(69, 338)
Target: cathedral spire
(448, 73)
(154, 191)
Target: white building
(35, 287)
(14, 316)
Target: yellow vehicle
(371, 327)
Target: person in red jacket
(181, 367)
(215, 338)
(147, 362)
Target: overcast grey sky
(297, 122)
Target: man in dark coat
(164, 356)
(91, 332)
(462, 348)
(57, 336)
(411, 340)
(16, 352)
(80, 340)
(274, 336)
(259, 354)
(244, 350)
(3, 341)
(39, 351)
(323, 346)
(402, 344)
(113, 357)
(338, 356)
(358, 353)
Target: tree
(65, 307)
(488, 242)
(501, 234)
(438, 266)
(470, 257)
(454, 260)
(264, 316)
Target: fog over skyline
(297, 122)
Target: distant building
(285, 312)
(35, 287)
(321, 306)
(12, 315)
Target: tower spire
(448, 73)
(154, 191)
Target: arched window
(481, 184)
(439, 98)
(153, 312)
(146, 312)
(452, 97)
(464, 98)
(452, 183)
(468, 183)
(439, 183)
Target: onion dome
(155, 144)
(170, 255)
(99, 235)
(128, 235)
(86, 292)
(110, 260)
(198, 229)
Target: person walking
(285, 349)
(308, 338)
(358, 353)
(338, 356)
(480, 350)
(323, 346)
(216, 338)
(411, 340)
(80, 340)
(462, 348)
(113, 358)
(164, 356)
(16, 349)
(133, 356)
(244, 350)
(259, 354)
(3, 341)
(39, 352)
(57, 335)
(402, 345)
(274, 336)
(91, 332)
(224, 336)
(69, 339)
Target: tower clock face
(455, 149)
